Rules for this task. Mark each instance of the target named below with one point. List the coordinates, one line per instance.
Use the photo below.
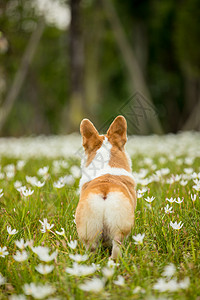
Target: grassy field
(164, 265)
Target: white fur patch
(114, 214)
(100, 165)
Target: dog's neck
(100, 166)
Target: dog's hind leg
(116, 246)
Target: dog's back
(108, 199)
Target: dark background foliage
(88, 70)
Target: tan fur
(107, 203)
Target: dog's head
(115, 138)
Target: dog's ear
(90, 135)
(117, 132)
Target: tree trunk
(21, 73)
(74, 112)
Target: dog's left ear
(117, 132)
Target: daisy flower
(148, 199)
(3, 251)
(176, 225)
(169, 270)
(139, 238)
(20, 256)
(95, 285)
(81, 270)
(120, 281)
(2, 280)
(44, 269)
(193, 197)
(108, 272)
(10, 231)
(45, 225)
(79, 257)
(168, 210)
(62, 232)
(72, 244)
(1, 193)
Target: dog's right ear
(90, 135)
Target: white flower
(177, 177)
(179, 200)
(20, 256)
(168, 210)
(196, 187)
(44, 269)
(17, 184)
(17, 297)
(189, 160)
(148, 199)
(39, 184)
(75, 171)
(10, 231)
(46, 257)
(172, 285)
(139, 195)
(40, 250)
(28, 288)
(120, 281)
(141, 191)
(2, 175)
(81, 270)
(139, 238)
(188, 170)
(43, 253)
(21, 188)
(161, 285)
(20, 164)
(183, 182)
(72, 244)
(10, 174)
(43, 171)
(95, 285)
(3, 251)
(45, 226)
(112, 264)
(27, 192)
(58, 184)
(170, 180)
(176, 225)
(169, 270)
(171, 200)
(196, 181)
(193, 197)
(62, 232)
(138, 289)
(38, 291)
(2, 280)
(21, 244)
(68, 179)
(31, 179)
(108, 272)
(184, 284)
(1, 193)
(79, 257)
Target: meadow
(40, 254)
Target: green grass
(140, 265)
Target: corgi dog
(107, 188)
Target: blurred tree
(186, 35)
(137, 80)
(85, 71)
(21, 73)
(74, 112)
